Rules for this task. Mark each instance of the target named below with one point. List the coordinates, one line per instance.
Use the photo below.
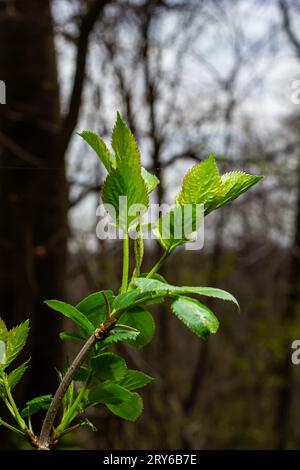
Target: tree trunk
(285, 369)
(33, 190)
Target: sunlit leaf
(16, 340)
(15, 376)
(99, 146)
(196, 316)
(162, 288)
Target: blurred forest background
(189, 77)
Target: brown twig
(100, 333)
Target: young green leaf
(15, 341)
(116, 336)
(71, 312)
(2, 352)
(161, 288)
(35, 405)
(15, 376)
(81, 374)
(108, 366)
(126, 180)
(108, 393)
(151, 181)
(142, 320)
(126, 299)
(99, 146)
(87, 423)
(69, 396)
(127, 183)
(203, 184)
(129, 299)
(3, 330)
(178, 226)
(93, 306)
(130, 409)
(233, 184)
(196, 316)
(65, 335)
(199, 186)
(135, 379)
(124, 144)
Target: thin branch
(288, 27)
(87, 25)
(44, 441)
(19, 151)
(85, 192)
(268, 155)
(99, 334)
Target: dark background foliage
(189, 77)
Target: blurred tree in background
(189, 77)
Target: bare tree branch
(87, 25)
(85, 192)
(19, 152)
(288, 27)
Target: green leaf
(69, 396)
(2, 352)
(87, 423)
(146, 285)
(129, 299)
(94, 308)
(16, 340)
(117, 335)
(203, 184)
(81, 374)
(200, 184)
(127, 328)
(128, 183)
(108, 366)
(151, 181)
(233, 184)
(196, 316)
(39, 403)
(135, 379)
(130, 409)
(65, 335)
(3, 330)
(15, 376)
(211, 292)
(108, 393)
(156, 276)
(126, 180)
(178, 226)
(126, 299)
(142, 320)
(71, 312)
(124, 144)
(99, 146)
